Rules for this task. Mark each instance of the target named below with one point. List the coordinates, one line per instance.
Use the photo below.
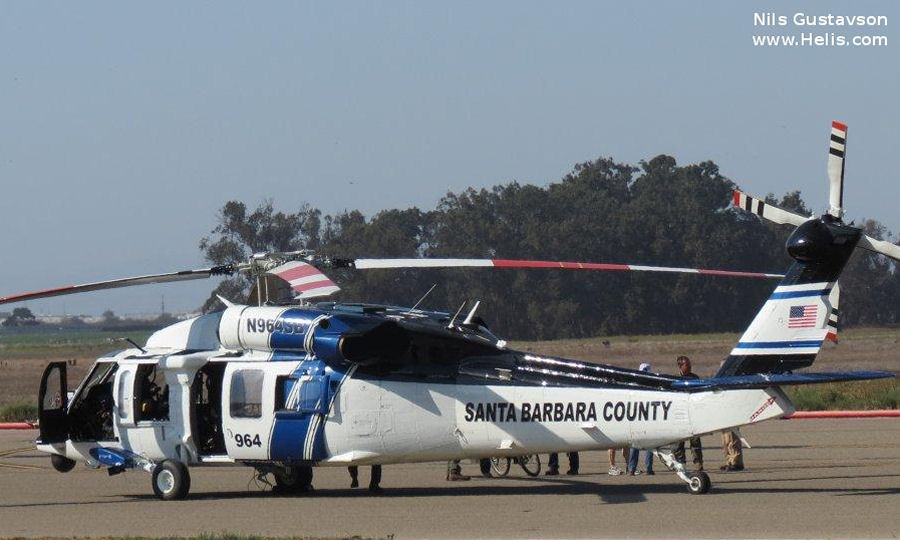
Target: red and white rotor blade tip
(766, 210)
(880, 246)
(368, 264)
(833, 300)
(836, 151)
(307, 280)
(169, 277)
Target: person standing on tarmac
(553, 464)
(374, 479)
(731, 446)
(634, 453)
(734, 454)
(614, 470)
(454, 470)
(684, 368)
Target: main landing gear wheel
(171, 480)
(293, 480)
(500, 465)
(62, 463)
(531, 464)
(699, 483)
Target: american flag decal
(803, 316)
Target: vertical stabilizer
(801, 313)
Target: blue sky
(124, 127)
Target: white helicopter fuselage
(382, 421)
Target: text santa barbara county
(567, 412)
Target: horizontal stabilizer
(765, 380)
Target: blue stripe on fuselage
(799, 294)
(290, 433)
(779, 344)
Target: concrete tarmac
(804, 478)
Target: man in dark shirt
(684, 367)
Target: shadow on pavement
(608, 493)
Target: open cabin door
(53, 402)
(206, 409)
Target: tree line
(655, 213)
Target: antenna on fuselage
(129, 340)
(421, 299)
(471, 314)
(455, 315)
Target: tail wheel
(293, 479)
(61, 463)
(531, 464)
(500, 466)
(171, 480)
(699, 483)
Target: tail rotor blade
(836, 150)
(369, 264)
(833, 302)
(766, 210)
(880, 246)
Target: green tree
(109, 317)
(21, 316)
(239, 234)
(658, 213)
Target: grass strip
(853, 396)
(18, 412)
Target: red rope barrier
(888, 413)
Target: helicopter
(288, 381)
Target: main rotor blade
(169, 277)
(880, 246)
(307, 280)
(836, 150)
(368, 264)
(766, 210)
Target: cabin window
(53, 395)
(246, 393)
(152, 394)
(125, 395)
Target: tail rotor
(836, 150)
(803, 311)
